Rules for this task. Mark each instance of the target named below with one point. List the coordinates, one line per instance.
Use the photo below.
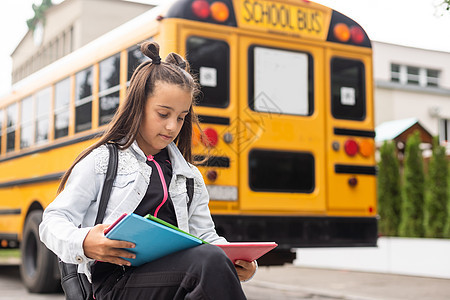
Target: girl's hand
(245, 269)
(99, 247)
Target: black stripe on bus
(45, 178)
(214, 120)
(349, 169)
(13, 211)
(9, 236)
(55, 146)
(354, 132)
(214, 161)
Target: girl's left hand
(245, 269)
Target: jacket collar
(179, 164)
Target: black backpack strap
(109, 179)
(190, 190)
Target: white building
(412, 83)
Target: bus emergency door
(210, 54)
(281, 127)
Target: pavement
(342, 284)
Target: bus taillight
(219, 11)
(341, 32)
(211, 137)
(201, 9)
(351, 147)
(366, 148)
(357, 34)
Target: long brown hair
(124, 126)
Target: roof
(388, 131)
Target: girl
(153, 130)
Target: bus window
(348, 92)
(62, 108)
(83, 100)
(293, 73)
(109, 81)
(1, 129)
(26, 123)
(11, 122)
(278, 171)
(210, 62)
(43, 99)
(135, 58)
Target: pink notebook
(246, 251)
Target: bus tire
(38, 266)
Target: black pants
(202, 272)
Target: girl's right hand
(99, 247)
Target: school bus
(286, 105)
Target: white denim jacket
(68, 219)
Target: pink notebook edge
(249, 249)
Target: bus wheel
(39, 265)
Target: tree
(435, 208)
(388, 190)
(411, 223)
(39, 11)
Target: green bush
(388, 190)
(447, 225)
(411, 223)
(435, 208)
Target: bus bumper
(300, 231)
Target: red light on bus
(357, 35)
(211, 137)
(352, 181)
(201, 9)
(211, 175)
(341, 32)
(351, 147)
(219, 11)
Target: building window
(414, 75)
(432, 77)
(395, 73)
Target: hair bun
(151, 50)
(177, 60)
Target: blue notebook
(153, 240)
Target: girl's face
(163, 117)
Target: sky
(415, 23)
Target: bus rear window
(281, 81)
(348, 91)
(278, 171)
(210, 63)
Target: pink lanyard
(163, 182)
